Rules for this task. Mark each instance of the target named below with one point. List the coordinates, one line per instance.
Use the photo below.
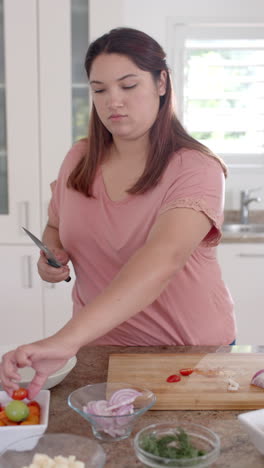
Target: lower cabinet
(21, 307)
(57, 304)
(243, 272)
(30, 309)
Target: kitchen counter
(236, 449)
(242, 238)
(233, 216)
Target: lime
(16, 410)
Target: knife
(48, 254)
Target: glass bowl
(114, 426)
(21, 452)
(199, 436)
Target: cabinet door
(57, 304)
(19, 145)
(21, 311)
(242, 267)
(63, 43)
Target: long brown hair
(167, 134)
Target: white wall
(154, 17)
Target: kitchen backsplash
(233, 216)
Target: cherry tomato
(173, 378)
(187, 371)
(34, 403)
(20, 394)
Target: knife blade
(48, 254)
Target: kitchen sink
(252, 229)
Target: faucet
(245, 200)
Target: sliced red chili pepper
(186, 371)
(173, 378)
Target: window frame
(181, 29)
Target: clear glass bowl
(110, 428)
(21, 452)
(200, 437)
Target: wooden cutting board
(197, 391)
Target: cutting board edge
(206, 408)
(124, 355)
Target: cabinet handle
(251, 255)
(23, 216)
(26, 272)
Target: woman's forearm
(136, 286)
(51, 237)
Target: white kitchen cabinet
(19, 145)
(58, 304)
(242, 268)
(43, 108)
(63, 90)
(21, 308)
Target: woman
(138, 208)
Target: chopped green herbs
(171, 446)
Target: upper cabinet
(19, 134)
(43, 105)
(63, 92)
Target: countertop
(92, 363)
(242, 238)
(233, 216)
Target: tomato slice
(34, 403)
(20, 394)
(186, 371)
(173, 378)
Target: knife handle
(57, 265)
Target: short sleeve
(197, 181)
(59, 186)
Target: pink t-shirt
(100, 235)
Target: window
(219, 77)
(80, 97)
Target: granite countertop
(242, 238)
(92, 363)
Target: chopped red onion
(122, 399)
(120, 404)
(258, 379)
(126, 409)
(127, 402)
(119, 396)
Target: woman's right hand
(51, 274)
(45, 357)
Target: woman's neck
(123, 150)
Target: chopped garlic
(232, 385)
(44, 461)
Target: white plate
(27, 373)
